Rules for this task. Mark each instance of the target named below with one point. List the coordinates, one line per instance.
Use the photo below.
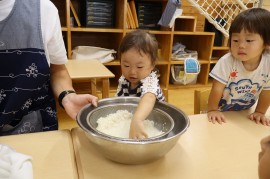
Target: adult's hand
(74, 102)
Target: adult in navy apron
(26, 99)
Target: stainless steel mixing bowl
(128, 151)
(162, 121)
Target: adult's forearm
(60, 79)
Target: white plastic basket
(178, 76)
(186, 73)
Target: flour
(118, 124)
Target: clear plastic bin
(178, 76)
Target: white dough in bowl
(117, 124)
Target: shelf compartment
(201, 78)
(200, 42)
(107, 40)
(164, 41)
(118, 15)
(185, 23)
(218, 52)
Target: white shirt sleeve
(52, 34)
(150, 84)
(222, 69)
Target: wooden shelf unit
(183, 30)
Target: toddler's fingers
(251, 117)
(211, 119)
(257, 120)
(265, 121)
(254, 118)
(221, 120)
(141, 137)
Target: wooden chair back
(201, 100)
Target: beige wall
(266, 4)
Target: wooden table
(90, 70)
(204, 151)
(52, 153)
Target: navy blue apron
(26, 100)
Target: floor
(181, 98)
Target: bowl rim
(132, 141)
(127, 139)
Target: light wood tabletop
(52, 153)
(204, 151)
(90, 70)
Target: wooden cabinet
(183, 30)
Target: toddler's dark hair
(254, 20)
(141, 41)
